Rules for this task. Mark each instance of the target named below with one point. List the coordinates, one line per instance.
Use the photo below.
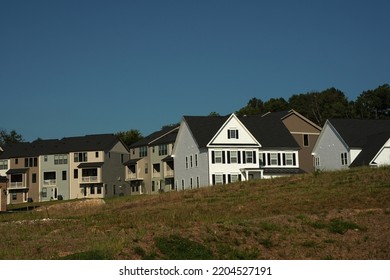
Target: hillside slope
(339, 215)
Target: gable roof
(151, 138)
(98, 142)
(355, 132)
(270, 131)
(204, 128)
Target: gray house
(345, 143)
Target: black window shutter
(294, 160)
(228, 132)
(243, 157)
(254, 157)
(213, 157)
(239, 177)
(279, 161)
(224, 178)
(237, 133)
(239, 156)
(284, 159)
(264, 163)
(223, 157)
(269, 159)
(213, 179)
(229, 179)
(228, 156)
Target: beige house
(150, 169)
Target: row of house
(211, 150)
(76, 167)
(202, 151)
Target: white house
(217, 150)
(345, 143)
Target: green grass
(338, 215)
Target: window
(234, 178)
(233, 156)
(76, 174)
(344, 159)
(14, 196)
(30, 162)
(64, 175)
(92, 189)
(44, 192)
(99, 190)
(261, 159)
(16, 161)
(274, 158)
(163, 150)
(3, 164)
(49, 178)
(34, 178)
(289, 159)
(218, 156)
(305, 140)
(317, 161)
(196, 160)
(60, 159)
(186, 162)
(191, 161)
(191, 183)
(249, 157)
(122, 158)
(182, 184)
(45, 158)
(197, 182)
(233, 134)
(146, 168)
(143, 151)
(80, 157)
(96, 154)
(218, 179)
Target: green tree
(374, 104)
(9, 138)
(130, 137)
(254, 107)
(276, 104)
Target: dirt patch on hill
(74, 206)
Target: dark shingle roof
(152, 137)
(98, 142)
(355, 132)
(270, 131)
(369, 135)
(204, 128)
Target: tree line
(326, 104)
(318, 106)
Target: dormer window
(232, 133)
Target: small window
(306, 140)
(76, 174)
(14, 196)
(45, 158)
(16, 161)
(34, 178)
(99, 190)
(249, 157)
(186, 162)
(289, 159)
(44, 192)
(96, 154)
(344, 159)
(92, 190)
(191, 161)
(219, 179)
(218, 156)
(233, 156)
(197, 182)
(64, 175)
(196, 160)
(317, 161)
(274, 158)
(233, 134)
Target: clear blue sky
(83, 67)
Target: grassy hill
(338, 215)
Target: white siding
(185, 146)
(329, 148)
(383, 157)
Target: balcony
(169, 173)
(50, 182)
(90, 179)
(17, 185)
(133, 177)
